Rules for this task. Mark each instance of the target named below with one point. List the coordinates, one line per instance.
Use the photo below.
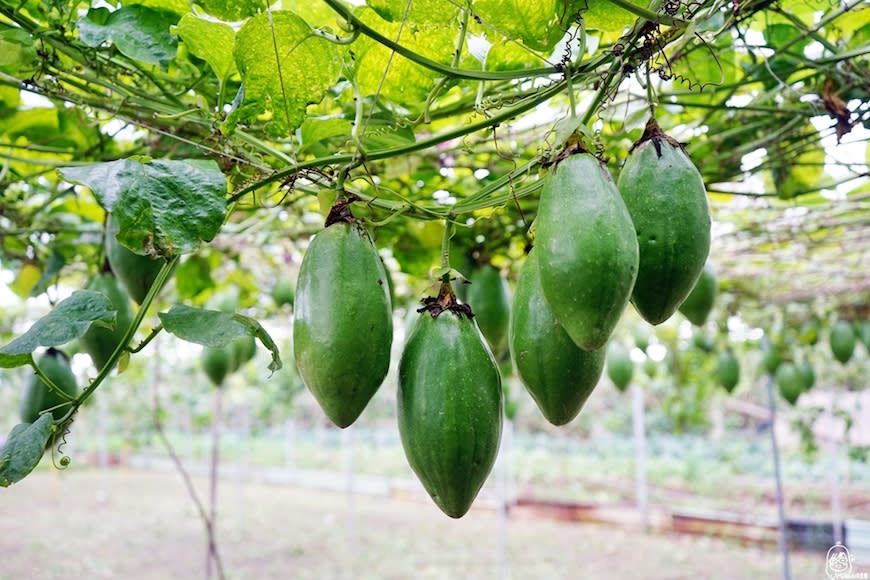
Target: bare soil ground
(54, 525)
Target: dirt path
(54, 526)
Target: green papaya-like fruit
(38, 397)
(343, 327)
(702, 341)
(641, 337)
(217, 363)
(727, 370)
(490, 296)
(771, 360)
(241, 349)
(449, 406)
(99, 341)
(557, 373)
(620, 367)
(650, 367)
(284, 291)
(665, 195)
(842, 340)
(807, 374)
(136, 272)
(809, 334)
(864, 334)
(698, 305)
(789, 382)
(587, 249)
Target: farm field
(57, 526)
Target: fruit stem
(446, 300)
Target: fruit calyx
(573, 146)
(652, 132)
(340, 211)
(446, 300)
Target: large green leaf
(68, 320)
(210, 41)
(309, 65)
(163, 208)
(406, 82)
(17, 50)
(232, 9)
(137, 31)
(23, 450)
(216, 329)
(537, 23)
(606, 16)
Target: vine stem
(213, 479)
(445, 248)
(214, 554)
(156, 287)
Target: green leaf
(10, 99)
(317, 130)
(216, 329)
(52, 268)
(68, 320)
(210, 41)
(421, 11)
(606, 16)
(10, 361)
(175, 6)
(406, 82)
(309, 66)
(136, 31)
(536, 22)
(17, 50)
(24, 449)
(232, 9)
(162, 208)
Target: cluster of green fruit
(794, 375)
(124, 275)
(598, 245)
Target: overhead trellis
(434, 109)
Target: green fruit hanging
(243, 349)
(842, 341)
(136, 272)
(283, 291)
(558, 374)
(620, 367)
(771, 360)
(727, 370)
(641, 337)
(490, 295)
(587, 249)
(789, 382)
(217, 363)
(99, 342)
(343, 327)
(698, 305)
(38, 397)
(702, 341)
(665, 195)
(864, 334)
(449, 403)
(808, 376)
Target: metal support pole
(783, 540)
(638, 423)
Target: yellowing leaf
(308, 67)
(27, 278)
(210, 41)
(604, 15)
